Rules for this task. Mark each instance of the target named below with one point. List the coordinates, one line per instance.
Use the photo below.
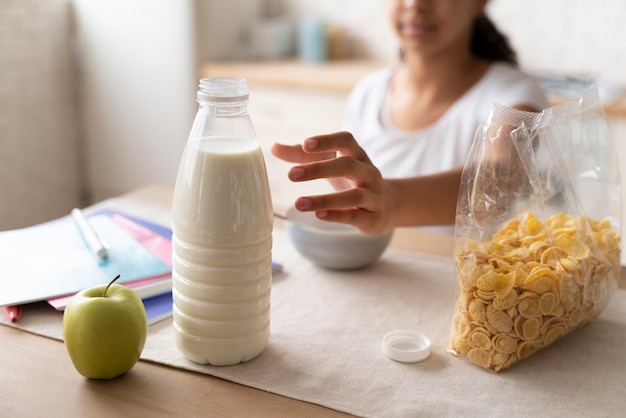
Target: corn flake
(534, 282)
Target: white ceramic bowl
(332, 245)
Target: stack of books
(52, 261)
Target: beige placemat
(325, 347)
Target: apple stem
(109, 285)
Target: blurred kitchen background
(97, 97)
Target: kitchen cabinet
(291, 100)
(289, 115)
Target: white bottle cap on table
(406, 346)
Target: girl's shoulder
(377, 80)
(370, 91)
(500, 71)
(509, 85)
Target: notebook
(49, 260)
(158, 307)
(155, 238)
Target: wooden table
(38, 376)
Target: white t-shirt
(446, 143)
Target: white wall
(365, 22)
(570, 36)
(39, 138)
(138, 79)
(222, 27)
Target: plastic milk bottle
(222, 232)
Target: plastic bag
(537, 242)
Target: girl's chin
(417, 48)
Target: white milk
(222, 240)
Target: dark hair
(489, 43)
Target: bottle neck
(230, 109)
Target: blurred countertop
(332, 76)
(335, 76)
(617, 109)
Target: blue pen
(97, 245)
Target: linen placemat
(326, 347)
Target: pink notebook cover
(159, 245)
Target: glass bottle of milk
(222, 232)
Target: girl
(409, 127)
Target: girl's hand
(363, 198)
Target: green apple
(105, 329)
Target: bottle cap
(406, 346)
(223, 89)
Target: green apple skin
(104, 336)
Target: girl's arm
(363, 198)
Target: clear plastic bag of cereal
(537, 244)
